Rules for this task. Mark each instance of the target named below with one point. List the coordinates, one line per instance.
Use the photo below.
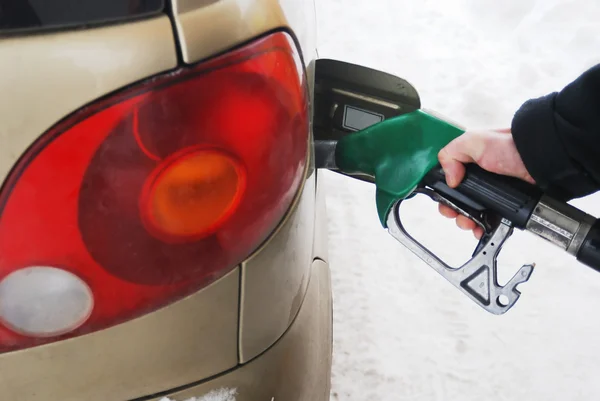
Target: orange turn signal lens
(191, 195)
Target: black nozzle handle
(507, 197)
(526, 206)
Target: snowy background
(401, 331)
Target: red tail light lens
(158, 190)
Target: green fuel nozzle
(398, 152)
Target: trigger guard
(478, 277)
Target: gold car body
(263, 330)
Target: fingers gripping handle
(478, 278)
(526, 207)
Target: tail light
(151, 193)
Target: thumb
(453, 156)
(454, 170)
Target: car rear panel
(46, 77)
(237, 319)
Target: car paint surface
(197, 338)
(274, 280)
(296, 368)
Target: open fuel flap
(350, 98)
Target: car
(163, 230)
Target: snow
(223, 394)
(401, 332)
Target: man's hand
(494, 151)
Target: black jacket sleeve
(558, 138)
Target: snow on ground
(401, 331)
(223, 394)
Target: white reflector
(44, 301)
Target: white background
(401, 331)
